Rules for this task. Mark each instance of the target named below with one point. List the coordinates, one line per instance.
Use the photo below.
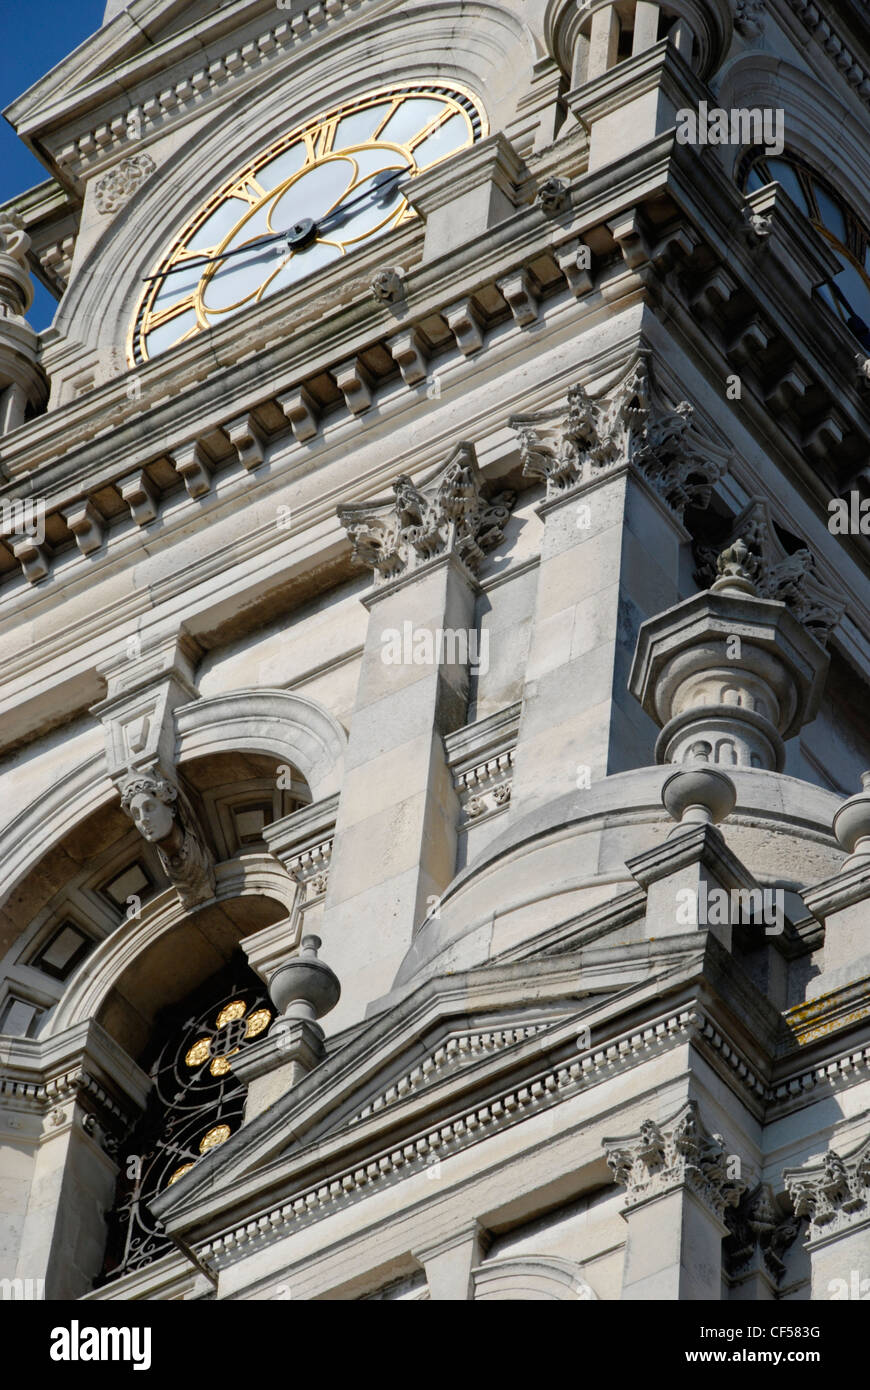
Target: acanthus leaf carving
(117, 186)
(759, 1229)
(834, 1194)
(453, 513)
(680, 1153)
(755, 561)
(588, 436)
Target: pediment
(492, 1042)
(142, 40)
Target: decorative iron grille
(195, 1104)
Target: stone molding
(505, 1108)
(453, 513)
(817, 23)
(587, 437)
(461, 1049)
(680, 1154)
(834, 1195)
(168, 104)
(279, 722)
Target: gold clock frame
(317, 134)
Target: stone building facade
(434, 677)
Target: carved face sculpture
(151, 816)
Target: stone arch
(818, 127)
(166, 933)
(287, 726)
(531, 1278)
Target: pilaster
(678, 1186)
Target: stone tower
(435, 654)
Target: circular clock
(309, 199)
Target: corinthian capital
(588, 436)
(682, 1153)
(834, 1194)
(451, 513)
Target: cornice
(172, 79)
(819, 25)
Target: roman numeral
(249, 190)
(326, 137)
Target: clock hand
(306, 231)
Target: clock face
(306, 201)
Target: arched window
(849, 292)
(195, 1104)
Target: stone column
(603, 41)
(67, 1105)
(22, 382)
(646, 26)
(395, 835)
(732, 672)
(677, 1190)
(619, 470)
(835, 1196)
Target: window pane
(448, 138)
(359, 127)
(169, 333)
(412, 117)
(832, 215)
(284, 167)
(784, 173)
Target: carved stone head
(149, 802)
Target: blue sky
(34, 38)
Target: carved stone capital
(680, 1154)
(452, 513)
(835, 1194)
(587, 436)
(761, 1229)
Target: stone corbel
(453, 512)
(145, 687)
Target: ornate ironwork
(196, 1103)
